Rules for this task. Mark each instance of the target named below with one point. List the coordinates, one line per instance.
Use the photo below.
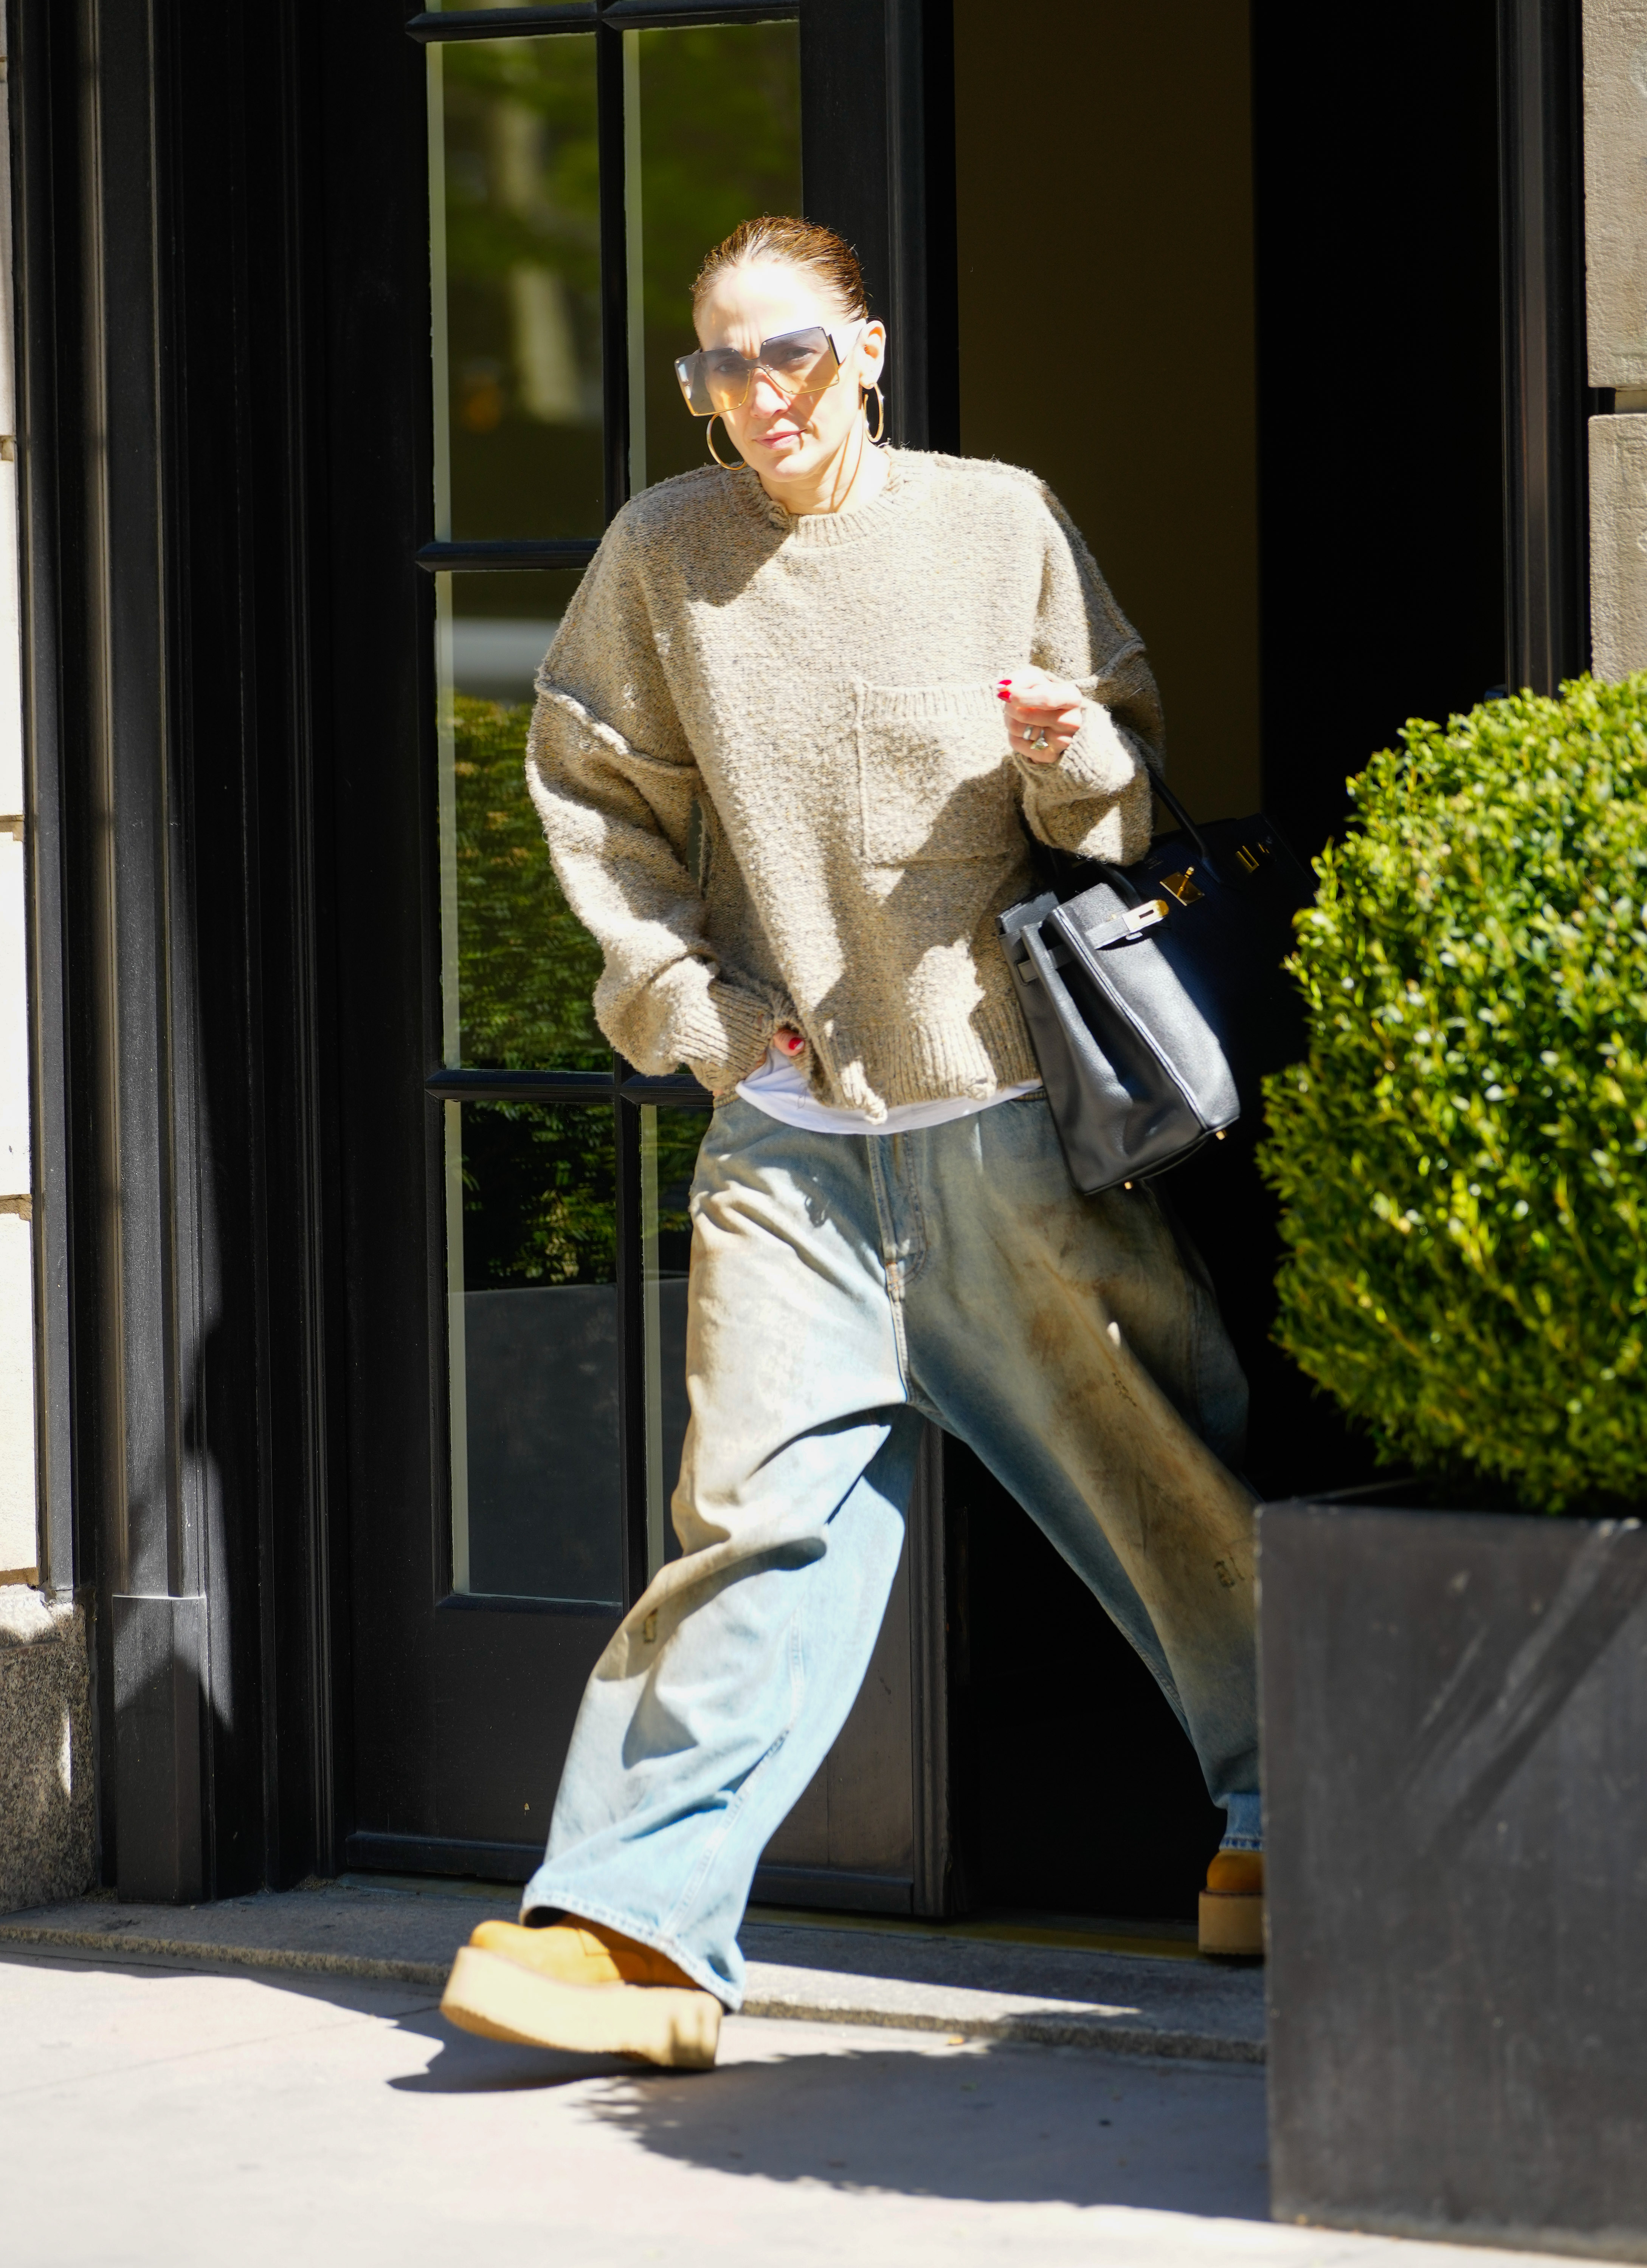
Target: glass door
(512, 251)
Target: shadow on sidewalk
(833, 2107)
(463, 2065)
(987, 2123)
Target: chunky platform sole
(500, 2000)
(1232, 1922)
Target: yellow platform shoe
(583, 1987)
(1232, 1904)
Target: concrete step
(909, 1976)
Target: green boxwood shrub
(1462, 1160)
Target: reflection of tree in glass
(540, 1203)
(522, 229)
(540, 1196)
(720, 141)
(526, 970)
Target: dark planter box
(1455, 1746)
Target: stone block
(1615, 190)
(48, 1816)
(19, 1548)
(14, 1140)
(1618, 546)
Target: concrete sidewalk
(915, 1979)
(158, 2115)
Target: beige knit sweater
(821, 690)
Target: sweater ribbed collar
(814, 531)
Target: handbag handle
(1052, 865)
(1182, 816)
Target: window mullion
(437, 27)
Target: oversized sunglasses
(718, 379)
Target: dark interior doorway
(1074, 1791)
(1274, 281)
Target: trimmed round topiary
(1462, 1161)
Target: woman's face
(789, 441)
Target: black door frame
(1547, 399)
(485, 1662)
(176, 454)
(165, 330)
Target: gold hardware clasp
(1252, 855)
(1181, 887)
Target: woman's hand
(789, 1042)
(1044, 713)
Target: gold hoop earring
(709, 435)
(879, 434)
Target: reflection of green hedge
(539, 1195)
(526, 970)
(1462, 1158)
(539, 1192)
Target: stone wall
(1615, 291)
(19, 1555)
(47, 1818)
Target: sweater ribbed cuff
(725, 1036)
(1099, 761)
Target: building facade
(341, 1265)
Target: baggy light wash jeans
(843, 1287)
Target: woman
(857, 668)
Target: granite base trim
(191, 1953)
(48, 1816)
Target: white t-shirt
(779, 1088)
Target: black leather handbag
(1154, 994)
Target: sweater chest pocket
(933, 784)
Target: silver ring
(1039, 742)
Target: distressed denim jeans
(844, 1288)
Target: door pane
(515, 188)
(712, 118)
(518, 971)
(669, 1141)
(532, 1310)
